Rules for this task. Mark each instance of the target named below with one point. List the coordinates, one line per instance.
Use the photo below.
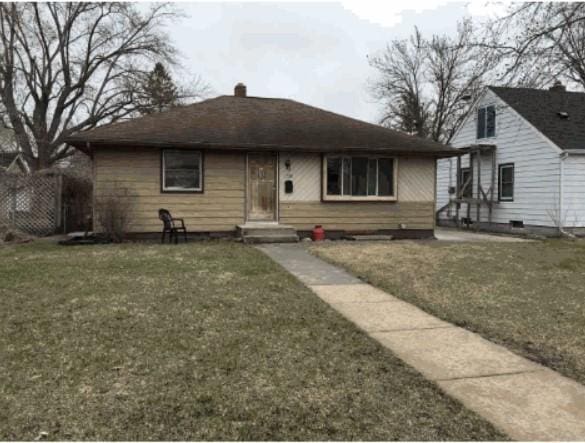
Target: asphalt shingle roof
(541, 108)
(252, 122)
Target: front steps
(253, 233)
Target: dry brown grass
(528, 296)
(207, 341)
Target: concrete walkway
(525, 400)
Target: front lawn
(528, 296)
(195, 342)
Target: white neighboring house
(531, 143)
(13, 162)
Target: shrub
(113, 213)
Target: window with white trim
(182, 171)
(506, 182)
(359, 178)
(486, 122)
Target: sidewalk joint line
(360, 302)
(502, 374)
(424, 328)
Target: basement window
(182, 171)
(506, 182)
(516, 223)
(486, 122)
(351, 178)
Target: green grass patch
(528, 296)
(205, 341)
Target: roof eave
(88, 147)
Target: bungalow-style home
(13, 162)
(521, 166)
(266, 165)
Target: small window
(182, 171)
(359, 178)
(465, 183)
(506, 182)
(486, 122)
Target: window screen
(360, 176)
(181, 170)
(506, 182)
(486, 122)
(334, 176)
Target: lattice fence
(31, 203)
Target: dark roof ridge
(524, 88)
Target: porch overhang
(475, 148)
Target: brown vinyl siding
(358, 216)
(414, 205)
(219, 208)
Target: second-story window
(486, 122)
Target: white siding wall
(305, 172)
(416, 179)
(573, 211)
(536, 167)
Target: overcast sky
(310, 52)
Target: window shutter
(481, 123)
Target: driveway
(459, 235)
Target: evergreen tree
(158, 92)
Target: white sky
(311, 52)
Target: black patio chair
(172, 225)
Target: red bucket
(318, 233)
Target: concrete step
(270, 238)
(268, 231)
(265, 228)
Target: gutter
(563, 156)
(87, 146)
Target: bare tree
(541, 42)
(65, 67)
(425, 84)
(400, 85)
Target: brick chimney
(557, 87)
(240, 90)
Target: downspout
(91, 224)
(563, 157)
